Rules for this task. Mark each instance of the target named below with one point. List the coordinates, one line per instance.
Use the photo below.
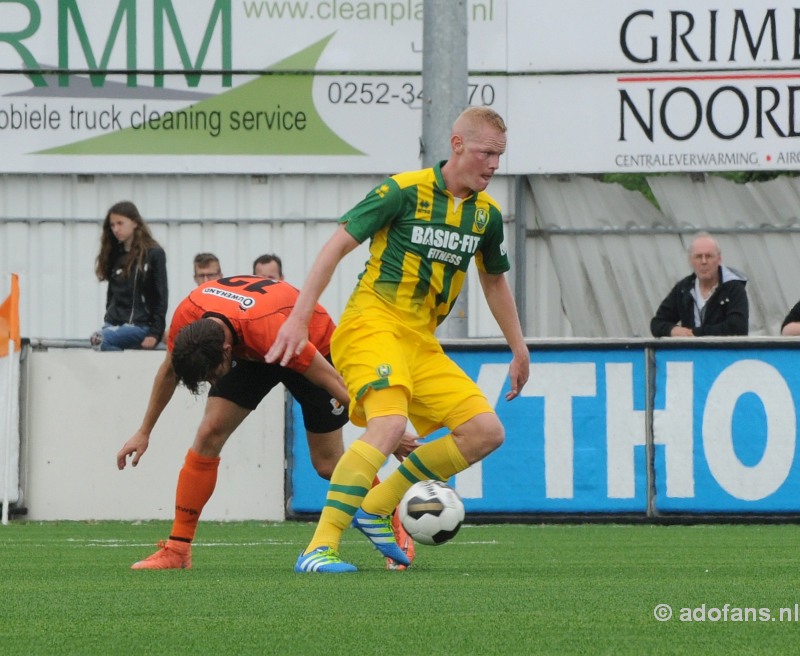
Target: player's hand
(136, 446)
(289, 342)
(408, 443)
(518, 373)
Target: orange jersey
(254, 309)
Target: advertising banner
(725, 431)
(197, 86)
(575, 438)
(723, 434)
(628, 123)
(664, 86)
(327, 86)
(666, 36)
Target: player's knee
(493, 434)
(480, 436)
(209, 441)
(325, 450)
(324, 468)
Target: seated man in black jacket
(791, 324)
(711, 301)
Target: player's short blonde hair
(471, 117)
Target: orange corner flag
(9, 319)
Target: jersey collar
(437, 174)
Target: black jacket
(141, 298)
(727, 311)
(794, 315)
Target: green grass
(66, 588)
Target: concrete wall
(79, 407)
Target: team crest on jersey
(384, 370)
(480, 221)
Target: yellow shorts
(374, 355)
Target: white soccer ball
(431, 512)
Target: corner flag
(10, 346)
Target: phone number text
(384, 93)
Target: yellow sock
(437, 460)
(351, 480)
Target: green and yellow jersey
(422, 240)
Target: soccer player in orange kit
(220, 333)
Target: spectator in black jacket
(711, 301)
(791, 324)
(135, 267)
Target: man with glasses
(206, 268)
(710, 301)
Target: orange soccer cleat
(404, 541)
(171, 554)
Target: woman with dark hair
(135, 267)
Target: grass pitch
(66, 588)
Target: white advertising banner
(312, 86)
(286, 86)
(640, 35)
(627, 123)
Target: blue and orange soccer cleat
(378, 529)
(323, 560)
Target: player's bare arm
(293, 334)
(504, 310)
(321, 373)
(164, 386)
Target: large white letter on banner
(625, 430)
(558, 383)
(492, 377)
(764, 478)
(672, 427)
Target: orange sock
(196, 483)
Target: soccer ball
(431, 512)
